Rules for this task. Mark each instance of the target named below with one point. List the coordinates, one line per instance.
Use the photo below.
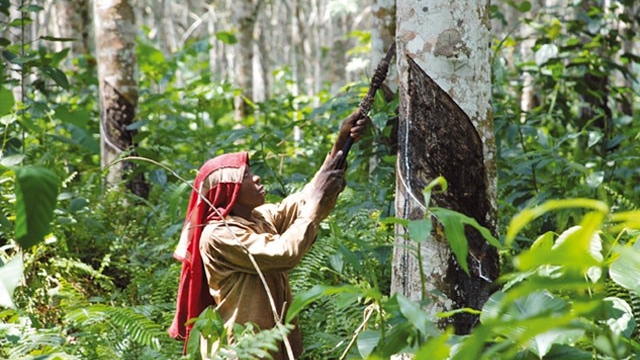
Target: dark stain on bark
(452, 148)
(118, 114)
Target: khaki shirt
(277, 239)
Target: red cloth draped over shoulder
(193, 291)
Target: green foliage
(249, 342)
(133, 326)
(553, 304)
(36, 193)
(578, 138)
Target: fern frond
(37, 340)
(86, 316)
(141, 329)
(134, 326)
(312, 267)
(622, 202)
(71, 295)
(71, 266)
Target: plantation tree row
(309, 39)
(495, 193)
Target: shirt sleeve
(284, 214)
(272, 252)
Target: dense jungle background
(86, 270)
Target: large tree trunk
(116, 57)
(450, 41)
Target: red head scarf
(218, 181)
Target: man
(237, 251)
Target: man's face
(252, 191)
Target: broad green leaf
(419, 230)
(611, 347)
(508, 318)
(541, 344)
(526, 216)
(367, 341)
(415, 315)
(57, 57)
(137, 125)
(619, 316)
(395, 339)
(82, 138)
(10, 275)
(36, 191)
(486, 234)
(594, 137)
(567, 352)
(625, 220)
(436, 348)
(544, 242)
(472, 346)
(19, 22)
(574, 250)
(77, 117)
(492, 308)
(454, 231)
(10, 56)
(532, 305)
(336, 261)
(625, 269)
(595, 179)
(226, 37)
(524, 6)
(454, 226)
(150, 58)
(31, 8)
(553, 280)
(78, 204)
(57, 76)
(12, 160)
(522, 332)
(6, 101)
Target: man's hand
(328, 184)
(352, 126)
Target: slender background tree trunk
(115, 33)
(73, 22)
(245, 14)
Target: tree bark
(72, 17)
(445, 128)
(245, 15)
(383, 34)
(117, 75)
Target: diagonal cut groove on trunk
(450, 147)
